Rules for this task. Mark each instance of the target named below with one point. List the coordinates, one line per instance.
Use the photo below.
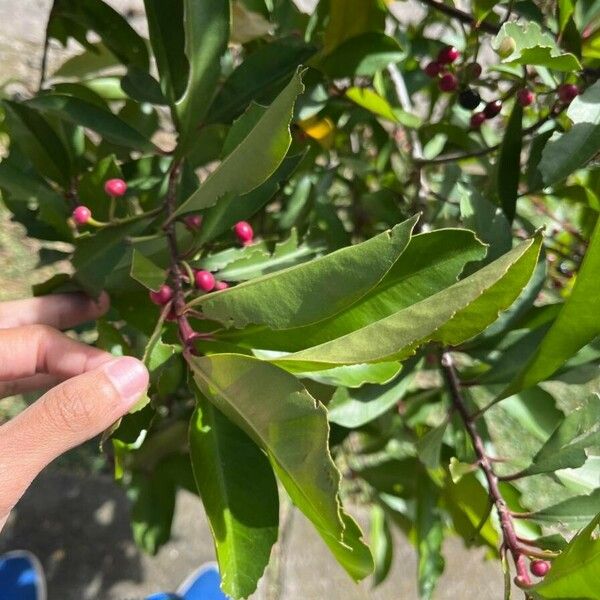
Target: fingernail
(129, 376)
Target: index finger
(61, 311)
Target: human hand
(90, 389)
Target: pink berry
(115, 187)
(221, 285)
(448, 82)
(81, 215)
(567, 92)
(205, 280)
(193, 222)
(244, 232)
(477, 120)
(539, 567)
(162, 296)
(448, 55)
(433, 69)
(525, 97)
(492, 109)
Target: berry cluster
(114, 188)
(450, 79)
(203, 280)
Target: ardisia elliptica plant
(357, 251)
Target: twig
(186, 333)
(462, 16)
(509, 535)
(43, 64)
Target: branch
(186, 333)
(46, 47)
(509, 535)
(462, 16)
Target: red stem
(509, 534)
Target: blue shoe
(203, 584)
(21, 577)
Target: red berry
(448, 82)
(448, 55)
(492, 109)
(115, 187)
(473, 70)
(162, 296)
(193, 222)
(539, 567)
(244, 232)
(525, 97)
(81, 215)
(567, 92)
(205, 280)
(221, 285)
(477, 120)
(433, 69)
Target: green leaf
(80, 112)
(429, 446)
(38, 140)
(144, 271)
(382, 544)
(567, 152)
(577, 324)
(430, 263)
(116, 33)
(167, 38)
(255, 158)
(312, 291)
(362, 55)
(206, 36)
(449, 317)
(429, 529)
(354, 408)
(573, 512)
(574, 574)
(379, 106)
(509, 162)
(535, 47)
(231, 209)
(352, 376)
(259, 78)
(565, 449)
(97, 57)
(239, 494)
(96, 256)
(142, 87)
(277, 412)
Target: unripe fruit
(193, 222)
(448, 55)
(469, 99)
(567, 92)
(448, 82)
(81, 215)
(477, 120)
(162, 296)
(244, 232)
(433, 69)
(473, 71)
(221, 285)
(115, 187)
(539, 567)
(492, 109)
(205, 280)
(525, 97)
(506, 48)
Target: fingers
(34, 349)
(61, 311)
(28, 384)
(69, 414)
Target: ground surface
(78, 523)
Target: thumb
(66, 416)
